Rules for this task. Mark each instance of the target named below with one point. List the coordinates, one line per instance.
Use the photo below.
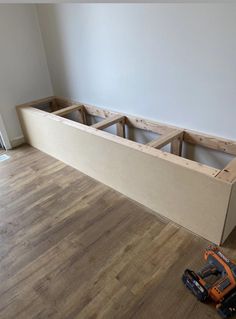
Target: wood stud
(108, 122)
(120, 128)
(228, 174)
(169, 134)
(203, 199)
(165, 139)
(176, 145)
(212, 142)
(68, 110)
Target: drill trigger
(223, 290)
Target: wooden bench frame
(196, 196)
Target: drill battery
(222, 291)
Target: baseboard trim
(17, 141)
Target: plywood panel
(230, 222)
(192, 199)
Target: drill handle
(208, 270)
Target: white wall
(24, 74)
(170, 62)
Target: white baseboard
(17, 141)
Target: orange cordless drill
(223, 290)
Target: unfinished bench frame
(196, 196)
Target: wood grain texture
(131, 121)
(209, 141)
(192, 137)
(68, 109)
(176, 146)
(108, 122)
(120, 129)
(228, 174)
(165, 139)
(72, 248)
(193, 199)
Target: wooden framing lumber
(196, 138)
(63, 102)
(54, 106)
(176, 145)
(195, 166)
(77, 107)
(108, 122)
(120, 128)
(38, 102)
(131, 121)
(56, 102)
(165, 139)
(104, 113)
(192, 192)
(203, 199)
(192, 137)
(228, 174)
(209, 141)
(68, 109)
(83, 116)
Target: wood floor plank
(72, 248)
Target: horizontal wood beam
(131, 121)
(212, 142)
(63, 102)
(159, 169)
(176, 160)
(228, 174)
(165, 139)
(96, 111)
(68, 109)
(192, 137)
(147, 125)
(197, 138)
(109, 121)
(37, 102)
(41, 101)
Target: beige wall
(174, 63)
(24, 74)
